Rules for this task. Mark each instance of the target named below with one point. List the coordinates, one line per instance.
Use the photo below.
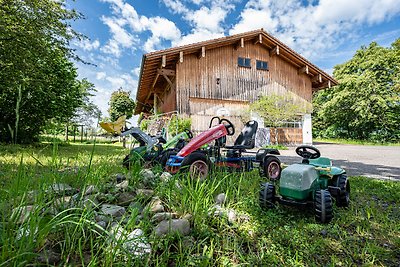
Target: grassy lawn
(353, 142)
(365, 234)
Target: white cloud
(316, 27)
(87, 45)
(100, 75)
(127, 19)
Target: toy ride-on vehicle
(151, 148)
(200, 154)
(313, 182)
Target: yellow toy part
(114, 127)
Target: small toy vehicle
(151, 148)
(314, 182)
(200, 154)
(154, 149)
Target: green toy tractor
(313, 182)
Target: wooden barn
(222, 76)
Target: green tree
(276, 109)
(121, 104)
(366, 103)
(38, 82)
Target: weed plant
(365, 234)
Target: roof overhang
(167, 59)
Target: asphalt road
(382, 162)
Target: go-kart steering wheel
(189, 133)
(308, 152)
(228, 126)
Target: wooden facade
(201, 79)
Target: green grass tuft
(366, 234)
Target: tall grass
(367, 233)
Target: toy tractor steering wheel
(228, 126)
(189, 133)
(308, 152)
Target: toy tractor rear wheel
(197, 164)
(343, 199)
(272, 168)
(323, 206)
(267, 196)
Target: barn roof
(167, 58)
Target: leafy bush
(178, 125)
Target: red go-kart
(200, 154)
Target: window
(244, 62)
(262, 65)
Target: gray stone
(117, 232)
(231, 214)
(155, 205)
(102, 224)
(165, 177)
(63, 202)
(162, 216)
(220, 199)
(112, 210)
(49, 257)
(188, 217)
(148, 177)
(123, 185)
(136, 244)
(90, 189)
(118, 177)
(103, 218)
(180, 226)
(135, 206)
(21, 214)
(90, 202)
(25, 231)
(61, 190)
(145, 192)
(125, 198)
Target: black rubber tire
(165, 156)
(323, 206)
(343, 199)
(269, 162)
(267, 196)
(194, 159)
(126, 162)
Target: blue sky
(327, 32)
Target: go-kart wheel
(323, 206)
(267, 196)
(165, 156)
(228, 126)
(343, 199)
(189, 133)
(126, 162)
(272, 168)
(197, 164)
(308, 152)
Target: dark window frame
(262, 65)
(244, 62)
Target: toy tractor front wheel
(323, 206)
(272, 168)
(343, 198)
(267, 195)
(197, 164)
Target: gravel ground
(382, 162)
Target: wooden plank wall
(218, 76)
(288, 136)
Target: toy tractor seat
(321, 162)
(247, 138)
